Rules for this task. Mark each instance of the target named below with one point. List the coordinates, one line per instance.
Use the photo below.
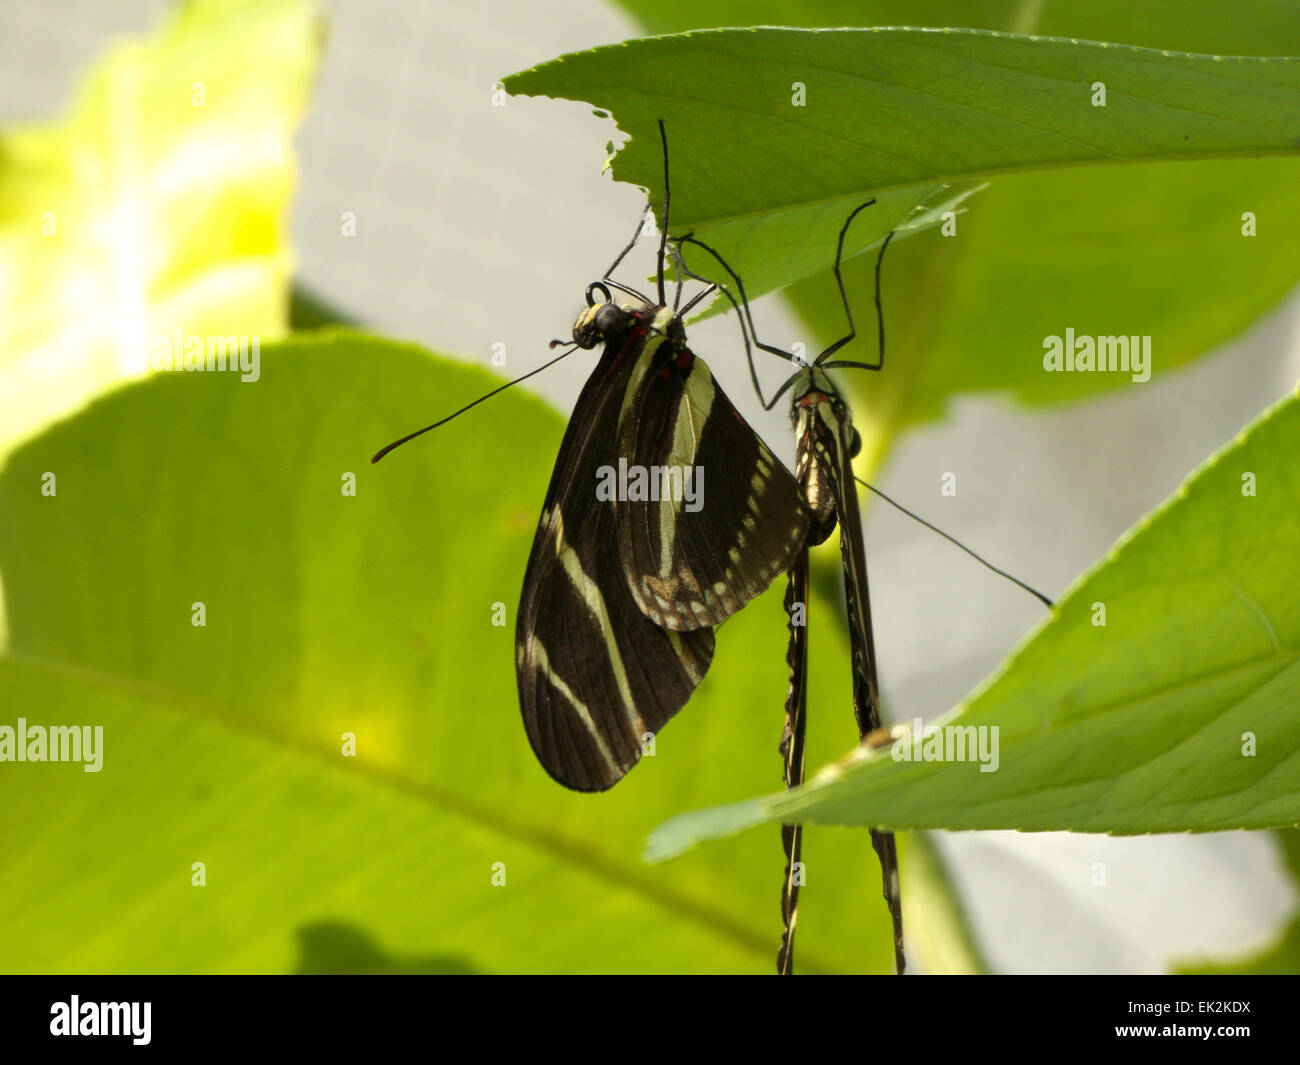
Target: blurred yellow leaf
(155, 209)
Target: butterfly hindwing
(595, 674)
(693, 562)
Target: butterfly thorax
(821, 421)
(610, 323)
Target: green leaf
(307, 311)
(898, 114)
(1143, 248)
(1177, 714)
(158, 204)
(370, 614)
(1037, 254)
(934, 919)
(1248, 27)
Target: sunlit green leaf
(328, 614)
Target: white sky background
(479, 225)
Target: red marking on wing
(633, 337)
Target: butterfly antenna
(663, 234)
(420, 432)
(640, 225)
(953, 540)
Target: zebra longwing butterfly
(628, 576)
(620, 595)
(826, 444)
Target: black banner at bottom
(148, 1014)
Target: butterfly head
(599, 321)
(602, 320)
(818, 401)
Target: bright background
(479, 224)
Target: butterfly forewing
(693, 562)
(595, 674)
(829, 435)
(838, 469)
(792, 749)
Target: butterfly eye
(855, 445)
(608, 318)
(598, 322)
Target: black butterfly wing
(596, 676)
(792, 749)
(692, 563)
(833, 452)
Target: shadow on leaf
(337, 949)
